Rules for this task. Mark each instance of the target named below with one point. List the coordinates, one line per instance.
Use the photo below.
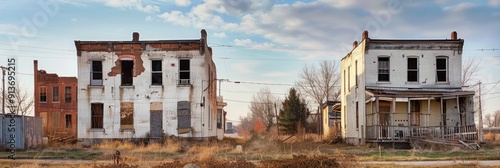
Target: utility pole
(480, 118)
(3, 88)
(277, 122)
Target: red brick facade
(56, 102)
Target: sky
(259, 43)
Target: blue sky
(264, 41)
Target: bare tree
(492, 120)
(263, 106)
(470, 67)
(319, 82)
(246, 126)
(23, 102)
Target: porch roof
(416, 92)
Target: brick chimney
(354, 44)
(454, 35)
(135, 36)
(364, 35)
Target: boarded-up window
(55, 94)
(126, 115)
(55, 119)
(43, 94)
(44, 118)
(97, 115)
(183, 114)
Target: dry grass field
(300, 151)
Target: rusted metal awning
(421, 92)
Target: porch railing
(388, 132)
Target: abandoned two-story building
(147, 89)
(55, 102)
(393, 90)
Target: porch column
(377, 126)
(428, 111)
(393, 110)
(442, 119)
(459, 116)
(409, 117)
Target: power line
(248, 92)
(266, 59)
(8, 44)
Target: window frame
(126, 78)
(96, 120)
(183, 80)
(416, 70)
(43, 94)
(446, 70)
(55, 97)
(67, 94)
(93, 72)
(153, 72)
(380, 68)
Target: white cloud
(183, 2)
(176, 17)
(149, 18)
(132, 4)
(220, 35)
(460, 7)
(243, 42)
(10, 29)
(494, 2)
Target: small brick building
(55, 102)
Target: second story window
(441, 69)
(184, 68)
(96, 73)
(412, 69)
(67, 94)
(55, 94)
(383, 69)
(156, 73)
(43, 94)
(127, 70)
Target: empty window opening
(412, 70)
(68, 121)
(184, 74)
(156, 72)
(127, 70)
(97, 115)
(383, 69)
(96, 73)
(43, 94)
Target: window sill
(412, 83)
(183, 85)
(442, 83)
(97, 130)
(127, 86)
(155, 86)
(95, 86)
(127, 130)
(383, 82)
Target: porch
(399, 115)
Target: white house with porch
(392, 90)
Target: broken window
(442, 69)
(156, 73)
(68, 120)
(127, 70)
(97, 115)
(184, 75)
(96, 73)
(412, 69)
(55, 94)
(383, 69)
(183, 114)
(43, 94)
(67, 94)
(127, 116)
